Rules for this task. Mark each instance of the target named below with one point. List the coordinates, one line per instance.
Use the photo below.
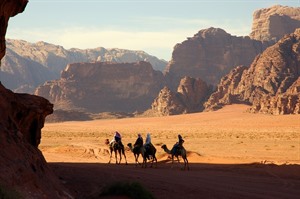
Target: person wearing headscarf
(139, 141)
(178, 144)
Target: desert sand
(232, 154)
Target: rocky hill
(270, 85)
(23, 167)
(274, 22)
(210, 54)
(27, 65)
(104, 87)
(22, 74)
(190, 96)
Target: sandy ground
(232, 154)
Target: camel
(116, 148)
(147, 153)
(180, 152)
(136, 152)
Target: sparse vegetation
(133, 190)
(8, 193)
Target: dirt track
(201, 181)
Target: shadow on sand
(86, 180)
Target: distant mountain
(210, 54)
(274, 22)
(27, 65)
(270, 85)
(104, 87)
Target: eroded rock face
(274, 22)
(168, 103)
(226, 90)
(8, 8)
(23, 166)
(189, 98)
(210, 54)
(26, 113)
(104, 87)
(271, 84)
(28, 65)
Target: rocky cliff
(104, 87)
(189, 98)
(27, 65)
(23, 167)
(210, 54)
(271, 84)
(274, 22)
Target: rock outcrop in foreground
(104, 87)
(274, 22)
(210, 54)
(270, 85)
(23, 167)
(189, 98)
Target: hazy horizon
(151, 26)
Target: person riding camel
(139, 141)
(148, 143)
(178, 144)
(117, 138)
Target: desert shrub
(133, 190)
(7, 193)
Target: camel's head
(164, 146)
(129, 145)
(106, 141)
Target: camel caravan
(147, 150)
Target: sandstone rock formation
(168, 103)
(271, 84)
(27, 65)
(274, 22)
(189, 98)
(22, 74)
(104, 87)
(23, 166)
(210, 54)
(8, 9)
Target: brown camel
(136, 152)
(116, 147)
(147, 152)
(179, 152)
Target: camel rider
(117, 138)
(139, 141)
(178, 144)
(148, 141)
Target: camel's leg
(124, 156)
(178, 159)
(172, 160)
(136, 159)
(186, 164)
(155, 161)
(110, 157)
(120, 156)
(145, 162)
(116, 156)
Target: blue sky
(154, 26)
